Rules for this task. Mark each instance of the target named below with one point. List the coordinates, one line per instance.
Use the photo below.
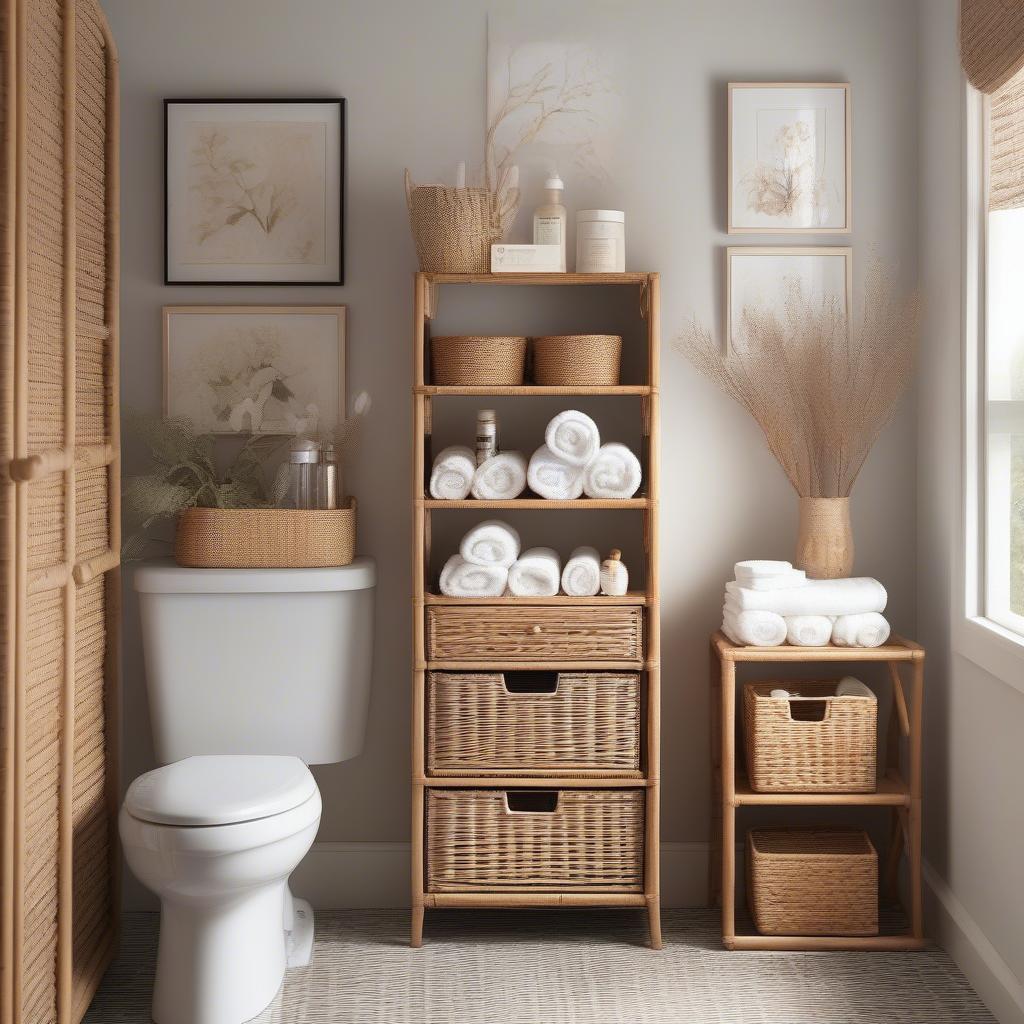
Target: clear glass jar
(303, 458)
(327, 477)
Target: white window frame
(989, 644)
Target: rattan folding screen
(59, 507)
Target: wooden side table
(900, 794)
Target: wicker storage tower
(536, 721)
(59, 509)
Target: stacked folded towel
(771, 603)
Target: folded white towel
(452, 473)
(460, 578)
(818, 597)
(868, 629)
(754, 628)
(755, 568)
(581, 576)
(808, 630)
(573, 436)
(536, 573)
(613, 473)
(852, 687)
(501, 477)
(552, 477)
(491, 542)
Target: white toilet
(252, 674)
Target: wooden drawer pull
(536, 629)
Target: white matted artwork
(255, 369)
(254, 191)
(789, 157)
(762, 277)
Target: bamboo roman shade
(991, 41)
(1006, 146)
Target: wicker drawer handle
(536, 629)
(532, 801)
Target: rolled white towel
(501, 477)
(869, 629)
(552, 477)
(808, 630)
(536, 573)
(452, 474)
(755, 628)
(818, 597)
(849, 686)
(613, 473)
(491, 542)
(581, 576)
(460, 578)
(573, 436)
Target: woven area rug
(576, 967)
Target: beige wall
(413, 75)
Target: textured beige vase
(824, 546)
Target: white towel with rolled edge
(460, 578)
(573, 436)
(614, 472)
(581, 576)
(754, 629)
(808, 630)
(491, 542)
(452, 474)
(501, 477)
(535, 573)
(819, 597)
(868, 629)
(552, 477)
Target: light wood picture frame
(790, 158)
(760, 274)
(239, 370)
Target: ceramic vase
(824, 546)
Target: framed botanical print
(254, 191)
(762, 277)
(255, 369)
(790, 158)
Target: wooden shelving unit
(730, 788)
(426, 602)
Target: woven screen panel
(991, 41)
(92, 516)
(1006, 147)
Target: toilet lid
(220, 789)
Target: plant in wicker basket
(821, 389)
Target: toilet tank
(257, 661)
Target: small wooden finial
(615, 555)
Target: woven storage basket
(812, 881)
(551, 635)
(493, 840)
(454, 228)
(814, 743)
(265, 538)
(534, 723)
(577, 360)
(468, 360)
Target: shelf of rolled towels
(571, 462)
(491, 563)
(769, 604)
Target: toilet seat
(220, 789)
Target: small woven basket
(265, 538)
(461, 360)
(577, 360)
(814, 743)
(812, 881)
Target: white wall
(413, 75)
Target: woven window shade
(991, 41)
(1006, 147)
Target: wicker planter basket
(577, 360)
(814, 743)
(812, 881)
(265, 538)
(534, 723)
(466, 360)
(535, 840)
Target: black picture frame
(337, 101)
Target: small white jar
(600, 242)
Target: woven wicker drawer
(535, 634)
(814, 743)
(812, 881)
(535, 723)
(487, 840)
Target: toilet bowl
(215, 837)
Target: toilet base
(299, 938)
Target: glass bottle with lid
(303, 458)
(327, 476)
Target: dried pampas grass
(820, 387)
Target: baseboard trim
(952, 927)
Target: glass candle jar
(600, 242)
